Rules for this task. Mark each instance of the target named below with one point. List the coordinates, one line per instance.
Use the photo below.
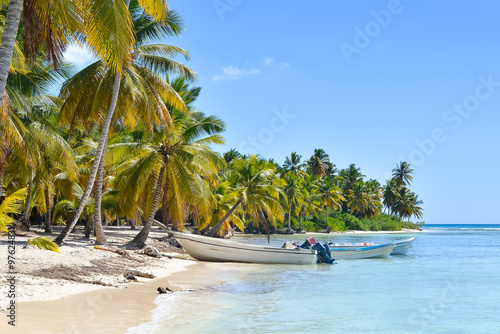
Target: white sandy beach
(49, 284)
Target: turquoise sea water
(448, 283)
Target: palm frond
(109, 31)
(43, 243)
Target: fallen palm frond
(43, 243)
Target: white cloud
(234, 73)
(79, 56)
(270, 61)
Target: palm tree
(12, 205)
(311, 197)
(109, 33)
(50, 22)
(293, 164)
(231, 155)
(23, 106)
(350, 176)
(390, 194)
(363, 200)
(402, 174)
(258, 189)
(294, 195)
(175, 161)
(330, 195)
(319, 163)
(407, 204)
(8, 41)
(55, 161)
(221, 199)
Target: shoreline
(57, 291)
(107, 309)
(54, 291)
(402, 231)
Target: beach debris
(170, 242)
(130, 277)
(150, 251)
(117, 251)
(167, 256)
(164, 290)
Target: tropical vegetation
(123, 142)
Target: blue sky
(370, 82)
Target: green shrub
(383, 223)
(308, 226)
(336, 224)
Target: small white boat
(223, 250)
(402, 246)
(360, 252)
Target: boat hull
(402, 246)
(222, 250)
(368, 252)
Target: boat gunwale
(362, 248)
(255, 248)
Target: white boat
(223, 250)
(360, 252)
(402, 246)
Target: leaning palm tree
(259, 191)
(108, 31)
(402, 174)
(143, 94)
(220, 200)
(175, 160)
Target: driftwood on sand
(117, 251)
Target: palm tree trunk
(100, 151)
(140, 239)
(301, 221)
(99, 232)
(211, 233)
(2, 173)
(289, 218)
(23, 221)
(48, 217)
(164, 203)
(327, 216)
(196, 217)
(8, 41)
(88, 226)
(266, 227)
(133, 224)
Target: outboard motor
(324, 254)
